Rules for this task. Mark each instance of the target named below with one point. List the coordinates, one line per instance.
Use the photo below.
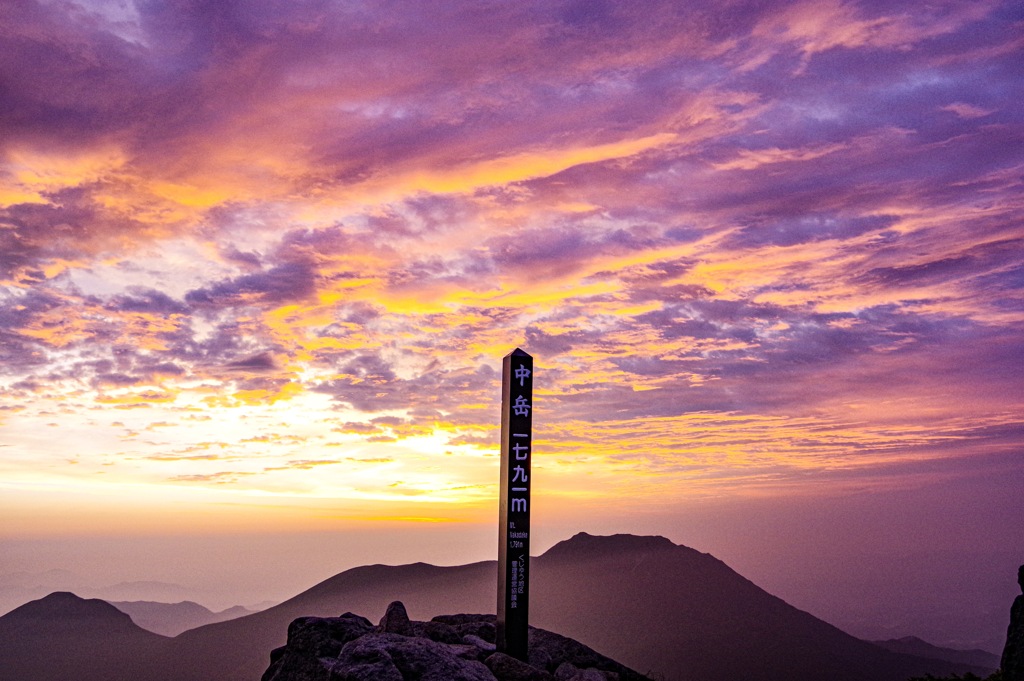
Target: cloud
(218, 478)
(287, 282)
(302, 465)
(69, 81)
(788, 233)
(984, 257)
(966, 110)
(813, 28)
(369, 383)
(146, 300)
(256, 363)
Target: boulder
(482, 626)
(483, 645)
(569, 672)
(396, 620)
(507, 668)
(436, 631)
(311, 639)
(1012, 663)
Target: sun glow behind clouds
(267, 279)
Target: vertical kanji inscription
(514, 504)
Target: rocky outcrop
(447, 648)
(1013, 654)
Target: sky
(260, 261)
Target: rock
(388, 657)
(396, 620)
(456, 620)
(507, 668)
(468, 651)
(449, 648)
(309, 640)
(595, 675)
(483, 645)
(566, 671)
(363, 661)
(483, 630)
(550, 650)
(569, 672)
(1012, 663)
(437, 631)
(477, 625)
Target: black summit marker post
(514, 504)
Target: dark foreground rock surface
(447, 648)
(1013, 653)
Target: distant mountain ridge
(18, 588)
(665, 610)
(171, 619)
(912, 645)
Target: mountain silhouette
(171, 619)
(665, 610)
(62, 636)
(686, 615)
(912, 645)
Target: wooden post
(514, 504)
